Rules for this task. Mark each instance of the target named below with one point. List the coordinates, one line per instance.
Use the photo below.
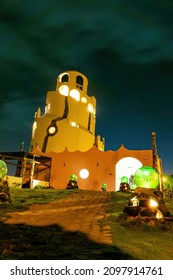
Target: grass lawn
(140, 241)
(22, 198)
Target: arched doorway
(126, 167)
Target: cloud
(124, 47)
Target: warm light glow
(64, 90)
(135, 201)
(84, 100)
(47, 108)
(90, 108)
(75, 94)
(127, 166)
(62, 75)
(164, 179)
(153, 203)
(52, 130)
(84, 173)
(33, 129)
(159, 214)
(75, 124)
(34, 125)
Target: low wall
(14, 182)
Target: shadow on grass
(23, 242)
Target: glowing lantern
(153, 203)
(135, 201)
(104, 186)
(124, 179)
(146, 177)
(73, 177)
(3, 169)
(132, 187)
(159, 214)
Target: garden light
(159, 214)
(73, 177)
(146, 177)
(135, 201)
(3, 169)
(153, 203)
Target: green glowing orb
(104, 186)
(3, 169)
(124, 179)
(73, 177)
(133, 186)
(146, 177)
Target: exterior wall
(66, 133)
(101, 166)
(72, 120)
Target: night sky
(125, 49)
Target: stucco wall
(101, 166)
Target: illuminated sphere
(124, 179)
(84, 173)
(104, 186)
(146, 177)
(132, 187)
(73, 177)
(3, 169)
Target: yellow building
(65, 135)
(69, 119)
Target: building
(65, 132)
(69, 119)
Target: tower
(69, 119)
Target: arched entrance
(126, 167)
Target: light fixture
(74, 124)
(64, 90)
(135, 201)
(52, 130)
(84, 173)
(74, 93)
(153, 203)
(84, 100)
(159, 214)
(90, 108)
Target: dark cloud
(124, 47)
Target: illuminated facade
(69, 119)
(94, 167)
(66, 134)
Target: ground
(75, 227)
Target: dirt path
(81, 211)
